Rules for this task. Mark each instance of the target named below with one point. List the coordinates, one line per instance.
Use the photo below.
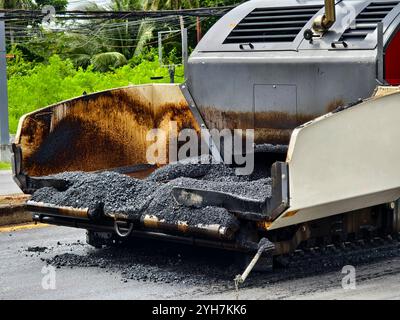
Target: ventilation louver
(367, 20)
(281, 24)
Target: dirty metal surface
(99, 131)
(271, 127)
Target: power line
(104, 31)
(93, 29)
(10, 14)
(107, 26)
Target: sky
(75, 4)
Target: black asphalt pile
(114, 193)
(257, 190)
(148, 261)
(198, 168)
(36, 249)
(204, 169)
(164, 206)
(271, 148)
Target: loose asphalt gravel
(112, 193)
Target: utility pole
(198, 29)
(4, 131)
(184, 45)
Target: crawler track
(317, 260)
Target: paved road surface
(21, 275)
(7, 185)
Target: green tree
(59, 5)
(170, 4)
(125, 5)
(108, 61)
(16, 4)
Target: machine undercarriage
(322, 136)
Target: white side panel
(344, 161)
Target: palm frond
(107, 61)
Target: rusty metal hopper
(98, 131)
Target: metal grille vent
(281, 24)
(368, 19)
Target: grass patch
(5, 166)
(59, 80)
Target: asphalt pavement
(7, 184)
(24, 274)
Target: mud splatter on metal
(269, 127)
(99, 131)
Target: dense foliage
(36, 4)
(5, 166)
(53, 64)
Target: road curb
(13, 210)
